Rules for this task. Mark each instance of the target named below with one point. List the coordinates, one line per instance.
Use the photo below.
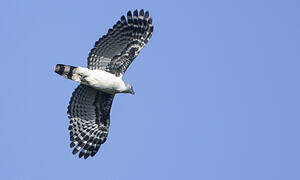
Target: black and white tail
(69, 72)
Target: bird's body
(98, 79)
(90, 104)
(105, 81)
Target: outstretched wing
(89, 114)
(115, 51)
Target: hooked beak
(132, 92)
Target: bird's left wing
(115, 51)
(89, 114)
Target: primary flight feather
(90, 104)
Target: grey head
(129, 89)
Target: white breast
(102, 80)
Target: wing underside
(89, 109)
(115, 51)
(89, 114)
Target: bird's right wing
(89, 114)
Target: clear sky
(217, 91)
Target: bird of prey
(90, 104)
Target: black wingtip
(147, 14)
(72, 144)
(142, 12)
(75, 151)
(80, 154)
(86, 156)
(151, 29)
(123, 19)
(71, 138)
(129, 15)
(136, 13)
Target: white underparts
(98, 79)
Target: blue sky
(217, 91)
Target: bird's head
(129, 89)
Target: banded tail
(69, 72)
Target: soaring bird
(90, 104)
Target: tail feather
(68, 72)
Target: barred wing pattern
(89, 109)
(115, 51)
(89, 114)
